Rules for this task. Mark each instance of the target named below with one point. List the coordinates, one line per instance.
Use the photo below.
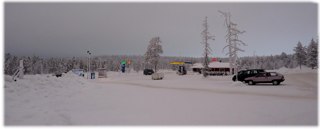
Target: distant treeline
(268, 62)
(38, 65)
(304, 55)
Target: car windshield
(268, 74)
(261, 75)
(273, 74)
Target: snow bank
(304, 69)
(238, 83)
(8, 78)
(34, 98)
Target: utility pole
(89, 62)
(41, 66)
(254, 60)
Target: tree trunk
(300, 65)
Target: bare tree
(207, 50)
(233, 42)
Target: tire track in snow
(219, 91)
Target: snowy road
(134, 99)
(223, 85)
(224, 91)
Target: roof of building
(212, 65)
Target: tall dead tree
(207, 50)
(233, 42)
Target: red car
(265, 77)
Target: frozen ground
(135, 99)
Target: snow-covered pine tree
(312, 54)
(8, 60)
(137, 64)
(27, 63)
(300, 54)
(154, 50)
(11, 64)
(207, 50)
(284, 60)
(35, 65)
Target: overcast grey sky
(69, 29)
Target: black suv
(243, 74)
(148, 71)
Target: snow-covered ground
(135, 99)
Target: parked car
(266, 77)
(148, 71)
(58, 74)
(247, 73)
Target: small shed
(102, 73)
(215, 68)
